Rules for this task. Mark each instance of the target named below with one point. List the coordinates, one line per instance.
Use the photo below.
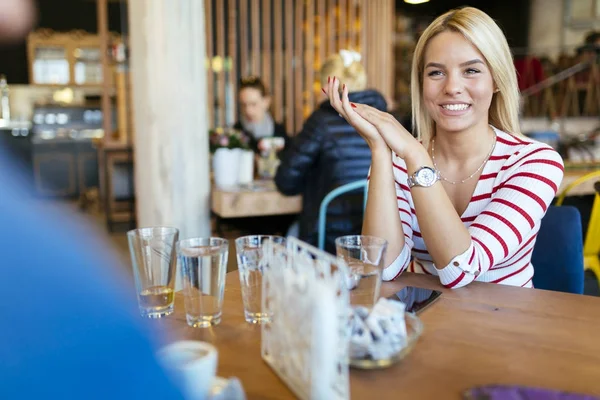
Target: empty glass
(153, 257)
(203, 265)
(364, 256)
(249, 251)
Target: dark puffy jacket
(326, 154)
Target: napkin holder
(306, 341)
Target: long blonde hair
(352, 74)
(481, 30)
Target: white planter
(246, 167)
(226, 167)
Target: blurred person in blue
(328, 153)
(70, 328)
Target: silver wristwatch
(424, 176)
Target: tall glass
(364, 256)
(203, 265)
(249, 251)
(152, 253)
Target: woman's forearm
(381, 215)
(443, 231)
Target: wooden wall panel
(278, 35)
(210, 75)
(285, 42)
(289, 69)
(243, 40)
(309, 59)
(255, 26)
(220, 25)
(299, 59)
(232, 51)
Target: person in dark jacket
(328, 153)
(256, 121)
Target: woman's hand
(347, 111)
(395, 135)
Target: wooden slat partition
(266, 52)
(221, 72)
(285, 42)
(309, 58)
(255, 12)
(321, 29)
(210, 79)
(290, 125)
(231, 50)
(331, 26)
(244, 65)
(277, 89)
(298, 59)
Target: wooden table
(481, 334)
(259, 199)
(586, 188)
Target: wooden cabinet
(66, 58)
(64, 168)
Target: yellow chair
(591, 243)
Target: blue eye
(434, 73)
(472, 71)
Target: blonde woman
(327, 153)
(466, 200)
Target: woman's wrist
(417, 157)
(380, 149)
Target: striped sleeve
(398, 266)
(518, 204)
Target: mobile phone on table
(416, 299)
(515, 392)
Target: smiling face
(457, 83)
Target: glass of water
(152, 253)
(203, 265)
(364, 256)
(249, 251)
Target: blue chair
(348, 187)
(558, 253)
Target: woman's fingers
(373, 115)
(346, 105)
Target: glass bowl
(414, 329)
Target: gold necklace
(468, 177)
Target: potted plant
(231, 153)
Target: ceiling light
(416, 1)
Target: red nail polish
(323, 90)
(353, 105)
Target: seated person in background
(256, 121)
(465, 200)
(328, 153)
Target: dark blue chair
(558, 253)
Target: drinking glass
(364, 256)
(203, 265)
(249, 251)
(152, 253)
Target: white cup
(193, 363)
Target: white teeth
(455, 107)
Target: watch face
(426, 176)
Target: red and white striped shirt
(515, 188)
